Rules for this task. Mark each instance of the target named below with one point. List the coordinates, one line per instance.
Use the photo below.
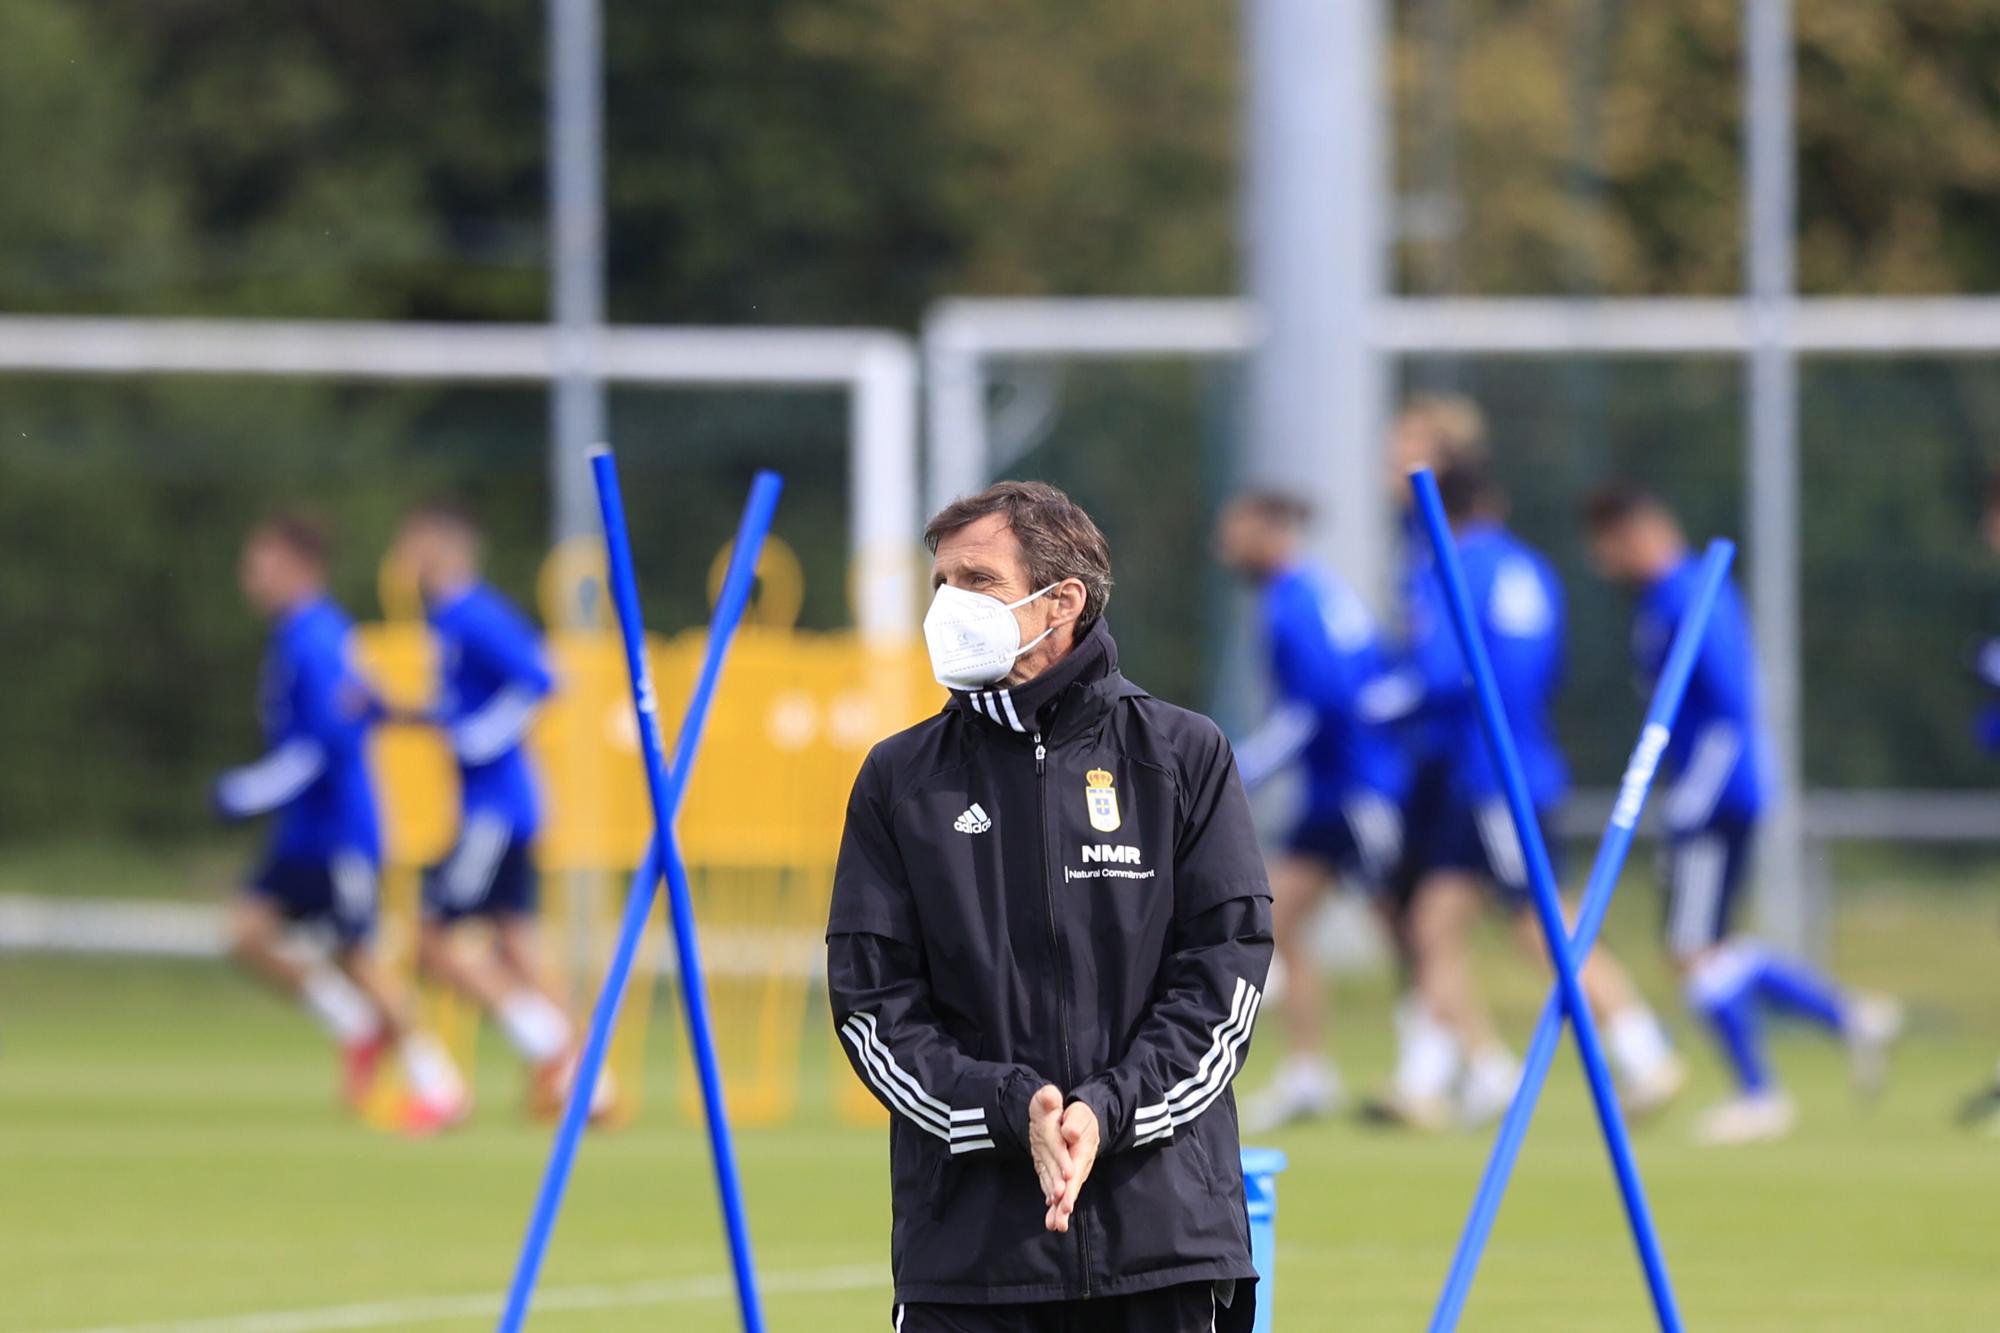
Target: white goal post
(876, 368)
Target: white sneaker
(1300, 1090)
(1874, 1022)
(1645, 1095)
(1760, 1118)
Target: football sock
(537, 1028)
(1637, 1042)
(1427, 1054)
(339, 1006)
(1719, 990)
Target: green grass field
(170, 1158)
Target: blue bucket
(1260, 1197)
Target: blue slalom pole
(1548, 902)
(1611, 853)
(666, 788)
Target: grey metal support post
(1317, 265)
(576, 404)
(1786, 896)
(576, 209)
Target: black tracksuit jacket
(1057, 883)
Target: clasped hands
(1062, 1141)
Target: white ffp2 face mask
(973, 638)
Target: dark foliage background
(849, 161)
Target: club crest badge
(1102, 799)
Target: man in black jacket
(1047, 948)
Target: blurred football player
(1324, 656)
(1719, 766)
(492, 681)
(1462, 841)
(325, 850)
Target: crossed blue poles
(1564, 955)
(665, 786)
(1611, 853)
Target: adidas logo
(974, 820)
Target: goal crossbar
(876, 368)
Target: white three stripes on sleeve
(964, 1129)
(1195, 1093)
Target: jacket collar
(1031, 706)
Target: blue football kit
(324, 855)
(1720, 767)
(1457, 813)
(493, 678)
(1325, 658)
(1717, 758)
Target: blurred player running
(325, 850)
(1462, 840)
(1718, 762)
(492, 681)
(1324, 655)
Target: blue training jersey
(1325, 653)
(1717, 755)
(493, 677)
(316, 710)
(1519, 602)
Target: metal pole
(576, 297)
(1317, 186)
(576, 212)
(1654, 737)
(665, 787)
(1547, 898)
(1773, 462)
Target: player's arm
(1322, 659)
(511, 651)
(1196, 1032)
(1429, 675)
(879, 986)
(1429, 679)
(332, 708)
(1277, 741)
(272, 782)
(1295, 719)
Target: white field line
(428, 1309)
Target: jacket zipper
(1062, 975)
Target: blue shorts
(1450, 832)
(1360, 837)
(341, 891)
(1704, 870)
(491, 872)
